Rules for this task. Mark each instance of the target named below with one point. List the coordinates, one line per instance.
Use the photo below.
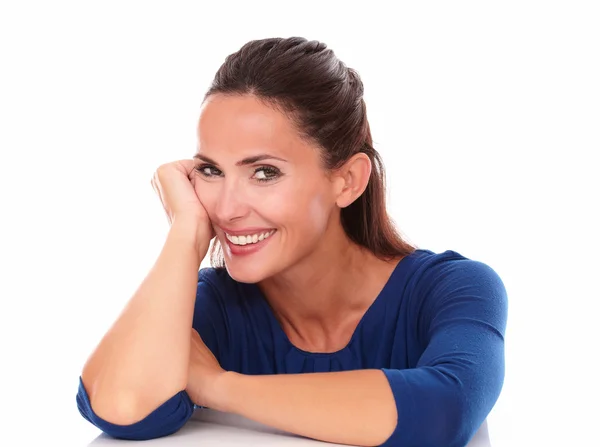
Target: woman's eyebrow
(244, 162)
(257, 158)
(205, 159)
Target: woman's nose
(232, 203)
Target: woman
(318, 318)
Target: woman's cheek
(275, 202)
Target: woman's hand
(204, 373)
(174, 184)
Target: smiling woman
(316, 317)
(259, 175)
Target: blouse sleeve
(176, 411)
(458, 378)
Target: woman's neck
(326, 294)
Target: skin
(318, 282)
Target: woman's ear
(352, 179)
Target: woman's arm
(349, 407)
(442, 402)
(126, 377)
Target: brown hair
(324, 99)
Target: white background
(487, 115)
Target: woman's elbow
(118, 420)
(126, 419)
(455, 423)
(120, 411)
(114, 408)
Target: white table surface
(210, 428)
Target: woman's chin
(245, 274)
(249, 263)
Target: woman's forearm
(143, 359)
(350, 407)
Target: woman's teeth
(250, 239)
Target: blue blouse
(436, 330)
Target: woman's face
(263, 187)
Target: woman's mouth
(248, 243)
(250, 238)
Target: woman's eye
(266, 173)
(261, 174)
(208, 171)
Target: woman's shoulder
(221, 301)
(218, 284)
(216, 276)
(450, 265)
(440, 278)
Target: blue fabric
(165, 420)
(436, 331)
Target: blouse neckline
(380, 300)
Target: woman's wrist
(189, 229)
(222, 399)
